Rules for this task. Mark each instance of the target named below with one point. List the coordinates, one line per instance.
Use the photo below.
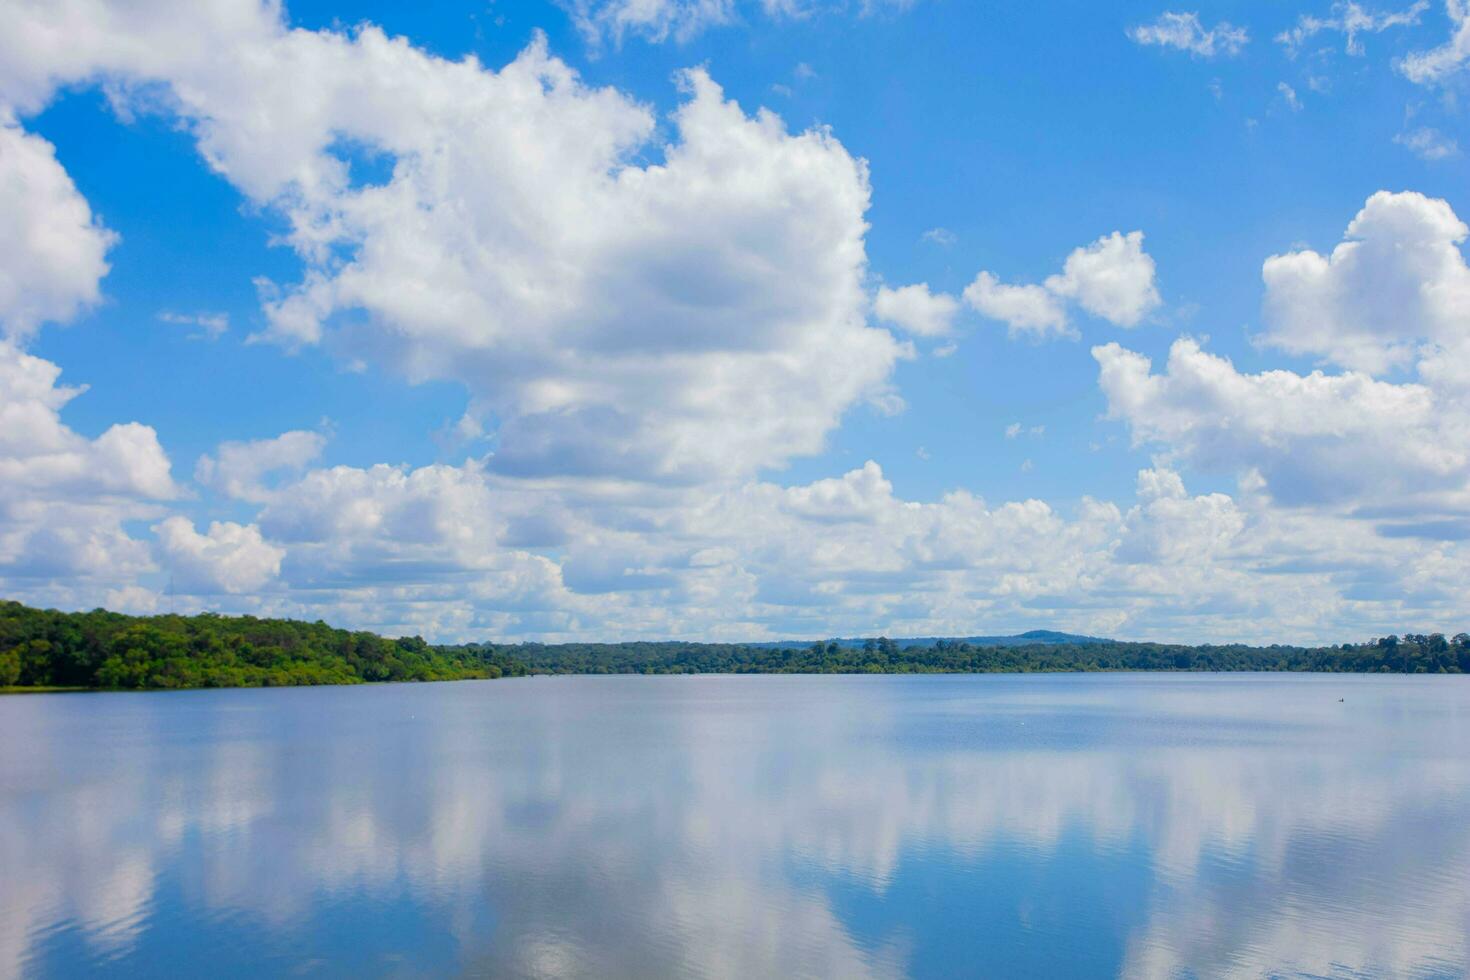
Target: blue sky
(604, 319)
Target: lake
(1147, 825)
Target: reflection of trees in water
(651, 827)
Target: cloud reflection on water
(712, 826)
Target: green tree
(9, 668)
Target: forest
(47, 649)
(1408, 654)
(100, 649)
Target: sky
(739, 319)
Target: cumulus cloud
(1169, 527)
(1312, 439)
(229, 558)
(53, 252)
(1437, 65)
(1112, 278)
(238, 468)
(1395, 295)
(1351, 20)
(134, 600)
(438, 549)
(65, 498)
(1022, 308)
(855, 496)
(440, 528)
(40, 454)
(1397, 281)
(1185, 32)
(699, 315)
(435, 506)
(917, 310)
(459, 552)
(637, 368)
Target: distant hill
(1026, 639)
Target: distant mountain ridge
(1028, 638)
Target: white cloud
(1327, 440)
(134, 600)
(707, 320)
(40, 454)
(238, 468)
(917, 310)
(1428, 143)
(1437, 65)
(446, 542)
(1289, 96)
(64, 498)
(457, 552)
(1394, 295)
(212, 326)
(653, 20)
(1112, 278)
(230, 558)
(440, 506)
(1398, 280)
(696, 316)
(387, 525)
(855, 496)
(1184, 32)
(53, 252)
(942, 237)
(1023, 309)
(681, 20)
(1350, 20)
(1169, 527)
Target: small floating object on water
(1339, 700)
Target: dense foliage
(1411, 654)
(45, 648)
(99, 649)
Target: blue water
(1043, 826)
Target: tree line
(1409, 654)
(100, 649)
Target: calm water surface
(1045, 826)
